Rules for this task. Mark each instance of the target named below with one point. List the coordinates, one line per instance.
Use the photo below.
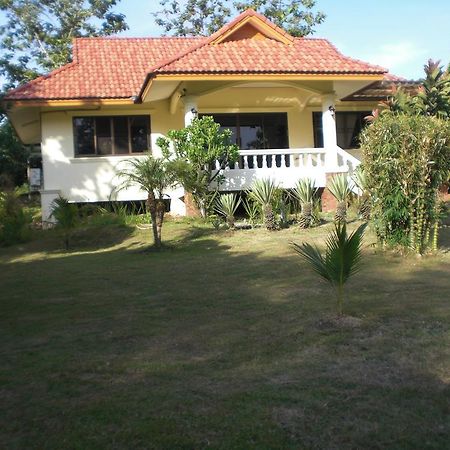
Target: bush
(406, 159)
(14, 221)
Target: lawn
(226, 340)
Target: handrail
(282, 151)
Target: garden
(263, 323)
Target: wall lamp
(332, 110)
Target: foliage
(204, 17)
(66, 216)
(360, 180)
(194, 152)
(263, 192)
(226, 205)
(13, 157)
(304, 192)
(340, 190)
(154, 176)
(37, 35)
(252, 210)
(341, 260)
(14, 221)
(281, 206)
(431, 99)
(406, 159)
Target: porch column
(190, 109)
(329, 131)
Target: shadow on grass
(209, 345)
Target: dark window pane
(275, 130)
(228, 121)
(252, 132)
(84, 135)
(318, 129)
(104, 138)
(120, 125)
(139, 130)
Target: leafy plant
(66, 216)
(252, 210)
(154, 176)
(406, 160)
(263, 192)
(341, 260)
(197, 149)
(14, 221)
(226, 205)
(304, 192)
(360, 180)
(340, 190)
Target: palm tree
(226, 205)
(263, 192)
(66, 216)
(342, 258)
(153, 176)
(304, 192)
(340, 190)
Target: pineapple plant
(304, 192)
(340, 190)
(359, 178)
(263, 192)
(227, 205)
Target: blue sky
(397, 34)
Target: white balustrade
(284, 166)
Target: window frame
(111, 118)
(237, 116)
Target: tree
(204, 17)
(201, 152)
(304, 192)
(13, 157)
(154, 176)
(406, 160)
(263, 192)
(341, 260)
(37, 36)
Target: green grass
(224, 340)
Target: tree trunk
(152, 207)
(160, 211)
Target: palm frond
(339, 187)
(263, 191)
(304, 190)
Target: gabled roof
(115, 68)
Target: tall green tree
(204, 17)
(37, 36)
(199, 153)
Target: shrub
(14, 221)
(406, 159)
(66, 216)
(226, 205)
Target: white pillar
(329, 131)
(190, 109)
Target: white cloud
(401, 58)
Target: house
(295, 107)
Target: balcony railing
(284, 166)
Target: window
(117, 135)
(348, 127)
(256, 131)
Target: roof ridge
(137, 38)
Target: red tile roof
(117, 67)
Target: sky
(397, 34)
